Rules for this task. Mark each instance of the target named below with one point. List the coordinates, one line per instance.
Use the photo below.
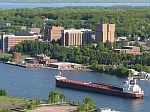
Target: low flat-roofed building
(35, 30)
(128, 50)
(65, 65)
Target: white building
(106, 110)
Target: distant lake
(36, 5)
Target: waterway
(37, 83)
(36, 5)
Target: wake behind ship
(131, 89)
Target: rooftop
(77, 30)
(23, 34)
(131, 46)
(60, 63)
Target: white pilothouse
(132, 86)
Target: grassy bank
(8, 103)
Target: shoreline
(72, 69)
(45, 67)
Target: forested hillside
(128, 22)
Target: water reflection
(134, 104)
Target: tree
(3, 92)
(87, 104)
(56, 97)
(62, 97)
(100, 46)
(82, 108)
(24, 106)
(136, 43)
(148, 43)
(62, 57)
(108, 45)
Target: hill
(83, 1)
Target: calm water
(35, 5)
(37, 83)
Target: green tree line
(90, 55)
(128, 21)
(85, 54)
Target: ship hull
(115, 92)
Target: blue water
(35, 5)
(37, 83)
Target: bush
(31, 106)
(3, 92)
(24, 107)
(56, 97)
(87, 105)
(73, 103)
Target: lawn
(12, 102)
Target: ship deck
(95, 85)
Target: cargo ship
(130, 89)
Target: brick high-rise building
(9, 41)
(76, 37)
(53, 33)
(104, 32)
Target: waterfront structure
(53, 32)
(104, 32)
(65, 65)
(76, 37)
(128, 50)
(9, 41)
